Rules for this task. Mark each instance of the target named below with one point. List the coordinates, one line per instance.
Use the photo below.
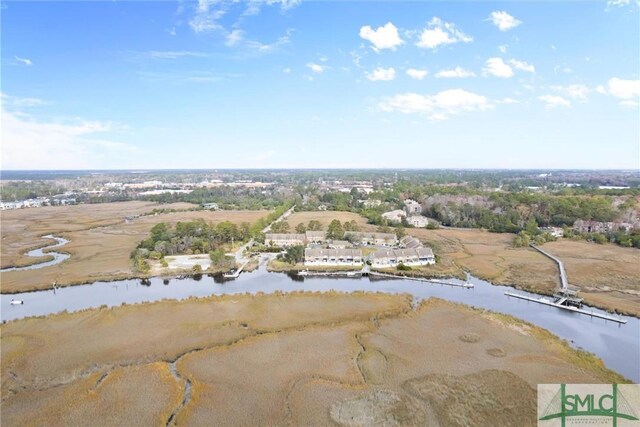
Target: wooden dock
(545, 301)
(422, 279)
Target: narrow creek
(617, 344)
(57, 256)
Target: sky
(320, 84)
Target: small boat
(303, 273)
(351, 274)
(16, 302)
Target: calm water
(57, 257)
(618, 345)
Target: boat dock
(561, 304)
(368, 272)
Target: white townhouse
(332, 257)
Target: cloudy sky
(290, 83)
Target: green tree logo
(565, 405)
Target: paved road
(240, 259)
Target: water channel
(617, 344)
(57, 257)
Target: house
(554, 231)
(284, 240)
(410, 242)
(339, 244)
(394, 216)
(371, 203)
(582, 226)
(377, 239)
(385, 258)
(315, 236)
(412, 207)
(418, 221)
(210, 206)
(322, 207)
(332, 257)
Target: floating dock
(560, 304)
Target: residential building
(377, 239)
(385, 258)
(410, 242)
(554, 231)
(394, 216)
(371, 203)
(339, 244)
(332, 257)
(284, 240)
(210, 206)
(418, 221)
(316, 236)
(412, 207)
(582, 226)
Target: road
(239, 255)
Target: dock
(545, 301)
(564, 283)
(422, 279)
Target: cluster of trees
(293, 255)
(510, 212)
(225, 197)
(192, 237)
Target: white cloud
(234, 37)
(436, 107)
(439, 33)
(382, 74)
(523, 66)
(270, 47)
(31, 144)
(286, 70)
(575, 91)
(623, 89)
(497, 67)
(508, 101)
(155, 54)
(23, 61)
(553, 101)
(503, 48)
(316, 68)
(15, 102)
(417, 74)
(205, 18)
(503, 20)
(457, 72)
(629, 103)
(385, 37)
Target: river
(617, 344)
(57, 256)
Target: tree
(281, 227)
(301, 228)
(314, 225)
(400, 232)
(294, 254)
(335, 230)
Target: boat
(351, 274)
(16, 302)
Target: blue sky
(310, 84)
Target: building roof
(280, 236)
(322, 252)
(316, 234)
(403, 253)
(364, 235)
(410, 242)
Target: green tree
(335, 230)
(301, 228)
(294, 254)
(314, 225)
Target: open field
(325, 217)
(100, 239)
(608, 275)
(304, 359)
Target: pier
(366, 271)
(565, 298)
(545, 301)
